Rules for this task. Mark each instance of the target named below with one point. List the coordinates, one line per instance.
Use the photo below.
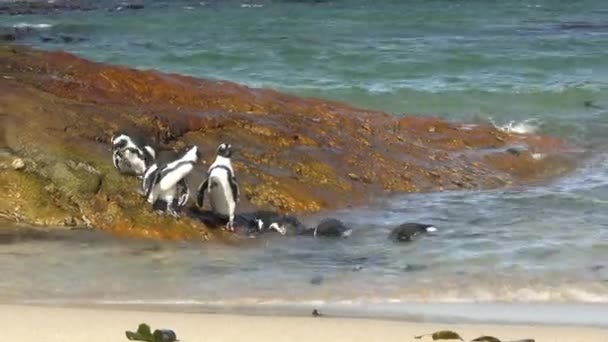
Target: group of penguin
(163, 185)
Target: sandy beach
(29, 323)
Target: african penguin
(131, 154)
(163, 157)
(165, 180)
(408, 231)
(270, 222)
(221, 186)
(330, 228)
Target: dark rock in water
(408, 231)
(62, 39)
(43, 7)
(316, 280)
(330, 228)
(596, 268)
(11, 34)
(414, 267)
(583, 26)
(591, 104)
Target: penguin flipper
(235, 189)
(170, 176)
(201, 193)
(155, 180)
(184, 193)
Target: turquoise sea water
(471, 61)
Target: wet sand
(30, 323)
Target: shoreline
(78, 324)
(546, 314)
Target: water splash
(527, 126)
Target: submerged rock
(294, 155)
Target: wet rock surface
(292, 155)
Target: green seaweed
(442, 335)
(144, 333)
(486, 339)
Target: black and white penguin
(330, 228)
(131, 154)
(221, 186)
(165, 180)
(163, 158)
(272, 222)
(408, 231)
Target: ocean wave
(528, 126)
(591, 293)
(31, 25)
(252, 5)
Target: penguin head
(191, 152)
(120, 140)
(224, 150)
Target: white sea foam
(522, 127)
(252, 5)
(30, 25)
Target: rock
(18, 164)
(43, 7)
(354, 176)
(74, 182)
(62, 107)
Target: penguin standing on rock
(131, 154)
(164, 180)
(221, 186)
(408, 231)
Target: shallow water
(466, 61)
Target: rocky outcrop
(292, 154)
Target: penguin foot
(229, 226)
(172, 212)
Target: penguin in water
(272, 222)
(221, 186)
(408, 231)
(269, 222)
(165, 179)
(330, 227)
(131, 154)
